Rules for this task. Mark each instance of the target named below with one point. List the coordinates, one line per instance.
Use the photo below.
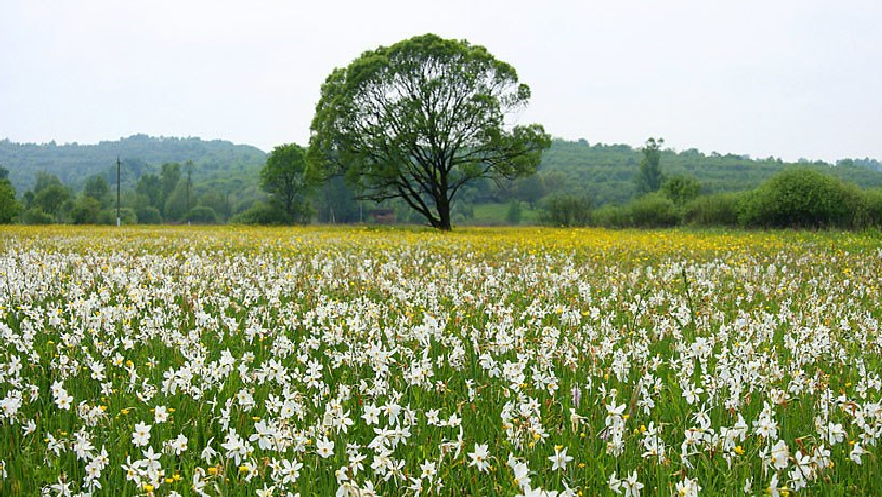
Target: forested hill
(213, 161)
(606, 172)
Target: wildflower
(479, 457)
(324, 447)
(141, 435)
(632, 486)
(560, 459)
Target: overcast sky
(792, 79)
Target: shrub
(127, 216)
(202, 214)
(653, 211)
(800, 198)
(719, 209)
(566, 210)
(149, 215)
(610, 216)
(36, 215)
(261, 213)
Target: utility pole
(118, 220)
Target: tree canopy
(284, 178)
(419, 119)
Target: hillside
(219, 162)
(606, 172)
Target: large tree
(285, 179)
(419, 119)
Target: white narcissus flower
(324, 447)
(560, 459)
(141, 435)
(479, 458)
(632, 486)
(856, 452)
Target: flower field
(357, 362)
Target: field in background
(323, 361)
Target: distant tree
(649, 177)
(150, 185)
(218, 202)
(565, 210)
(202, 214)
(50, 196)
(97, 188)
(420, 119)
(530, 189)
(86, 210)
(43, 180)
(285, 179)
(336, 202)
(515, 213)
(9, 205)
(681, 189)
(175, 208)
(169, 178)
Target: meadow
(358, 362)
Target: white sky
(800, 78)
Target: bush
(871, 214)
(719, 209)
(86, 211)
(566, 210)
(36, 215)
(681, 189)
(653, 211)
(800, 198)
(127, 216)
(202, 214)
(149, 215)
(610, 216)
(261, 213)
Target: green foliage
(218, 202)
(9, 205)
(610, 216)
(149, 215)
(718, 209)
(150, 186)
(127, 216)
(652, 211)
(141, 154)
(681, 189)
(262, 213)
(515, 212)
(649, 176)
(98, 189)
(800, 198)
(285, 179)
(566, 210)
(530, 189)
(202, 214)
(421, 119)
(86, 210)
(336, 202)
(50, 196)
(35, 215)
(175, 208)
